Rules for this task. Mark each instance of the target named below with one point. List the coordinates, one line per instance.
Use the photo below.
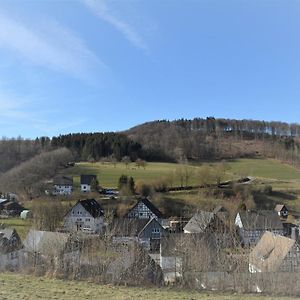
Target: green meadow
(108, 173)
(26, 287)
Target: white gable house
(85, 215)
(62, 185)
(86, 182)
(252, 225)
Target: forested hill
(177, 140)
(212, 138)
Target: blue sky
(100, 65)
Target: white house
(253, 224)
(144, 209)
(86, 181)
(85, 215)
(62, 185)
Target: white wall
(85, 188)
(79, 215)
(63, 189)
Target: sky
(71, 66)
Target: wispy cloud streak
(22, 113)
(101, 10)
(51, 46)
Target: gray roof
(199, 222)
(280, 207)
(127, 227)
(93, 207)
(221, 209)
(222, 213)
(87, 179)
(270, 251)
(63, 180)
(261, 220)
(46, 242)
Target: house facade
(253, 224)
(62, 185)
(10, 249)
(150, 236)
(86, 182)
(147, 233)
(144, 209)
(86, 216)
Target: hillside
(197, 139)
(212, 138)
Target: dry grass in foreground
(16, 286)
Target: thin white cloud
(101, 10)
(11, 109)
(51, 46)
(22, 113)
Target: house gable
(78, 211)
(238, 221)
(144, 209)
(152, 229)
(86, 215)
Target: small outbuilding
(282, 211)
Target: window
(155, 230)
(88, 220)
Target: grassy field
(21, 287)
(108, 173)
(263, 168)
